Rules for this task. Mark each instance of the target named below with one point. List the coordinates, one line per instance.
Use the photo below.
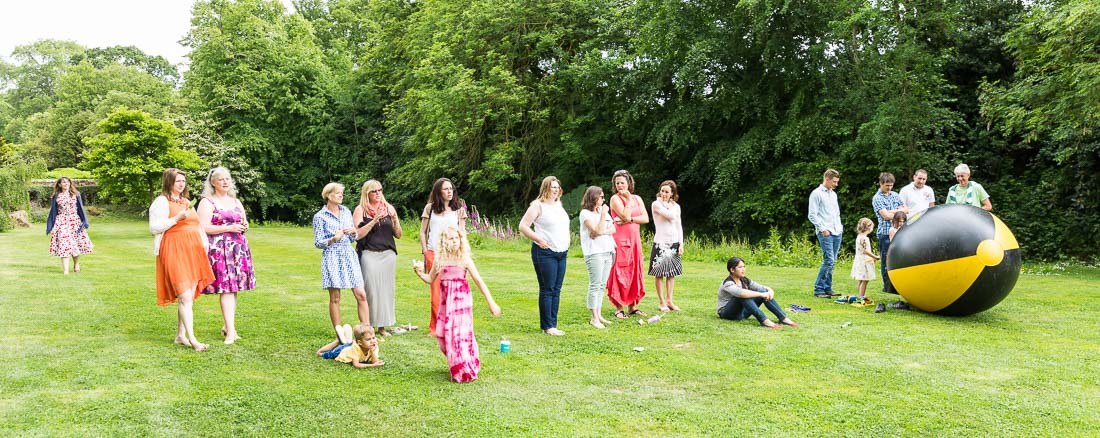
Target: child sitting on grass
(363, 353)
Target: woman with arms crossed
(668, 244)
(625, 285)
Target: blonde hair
(452, 256)
(208, 186)
(361, 331)
(864, 226)
(545, 187)
(330, 188)
(369, 186)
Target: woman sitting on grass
(363, 353)
(739, 297)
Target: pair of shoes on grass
(847, 299)
(800, 309)
(899, 305)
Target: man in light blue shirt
(825, 215)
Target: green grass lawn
(92, 354)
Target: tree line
(743, 103)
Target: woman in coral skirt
(625, 286)
(179, 244)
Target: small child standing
(454, 325)
(863, 265)
(895, 226)
(363, 353)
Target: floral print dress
(230, 256)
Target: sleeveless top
(553, 226)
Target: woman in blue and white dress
(334, 232)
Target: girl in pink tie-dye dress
(454, 326)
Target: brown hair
(629, 180)
(672, 186)
(72, 186)
(169, 180)
(898, 217)
(591, 194)
(885, 177)
(435, 199)
(831, 173)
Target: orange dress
(182, 258)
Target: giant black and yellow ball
(954, 260)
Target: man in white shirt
(917, 196)
(824, 213)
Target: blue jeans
(830, 247)
(883, 248)
(335, 351)
(741, 308)
(550, 270)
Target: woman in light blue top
(334, 232)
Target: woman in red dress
(625, 285)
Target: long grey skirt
(379, 278)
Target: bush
(13, 188)
(67, 171)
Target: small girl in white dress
(863, 266)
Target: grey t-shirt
(731, 289)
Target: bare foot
(605, 321)
(231, 338)
(673, 307)
(596, 323)
(199, 346)
(182, 341)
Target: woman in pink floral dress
(223, 219)
(66, 224)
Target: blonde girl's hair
(369, 186)
(544, 189)
(72, 186)
(208, 185)
(329, 189)
(865, 226)
(451, 256)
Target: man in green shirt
(967, 191)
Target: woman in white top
(444, 208)
(598, 247)
(668, 244)
(549, 248)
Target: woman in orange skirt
(180, 247)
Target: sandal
(673, 307)
(621, 315)
(639, 312)
(662, 308)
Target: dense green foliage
(130, 154)
(744, 103)
(14, 177)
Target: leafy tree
(130, 56)
(130, 154)
(28, 86)
(258, 75)
(1052, 106)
